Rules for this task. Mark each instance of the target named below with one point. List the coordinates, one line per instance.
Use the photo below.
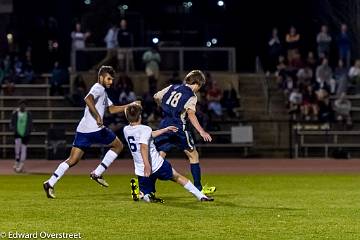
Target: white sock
(191, 188)
(17, 148)
(23, 153)
(59, 172)
(110, 156)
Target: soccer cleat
(207, 199)
(49, 190)
(208, 190)
(134, 183)
(98, 179)
(151, 198)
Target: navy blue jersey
(173, 103)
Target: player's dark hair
(195, 77)
(133, 112)
(106, 69)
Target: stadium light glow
(214, 41)
(220, 3)
(208, 44)
(10, 38)
(87, 2)
(187, 4)
(155, 40)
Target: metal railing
(265, 83)
(173, 58)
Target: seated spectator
(340, 76)
(354, 75)
(309, 107)
(324, 74)
(342, 107)
(311, 61)
(288, 86)
(326, 112)
(77, 97)
(28, 74)
(281, 71)
(213, 97)
(305, 75)
(295, 100)
(230, 100)
(152, 61)
(60, 76)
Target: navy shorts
(147, 184)
(182, 139)
(84, 140)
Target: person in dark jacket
(21, 124)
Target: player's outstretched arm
(90, 102)
(195, 122)
(157, 133)
(118, 109)
(144, 150)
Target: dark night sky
(243, 24)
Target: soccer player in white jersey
(149, 165)
(92, 131)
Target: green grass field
(245, 207)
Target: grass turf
(245, 207)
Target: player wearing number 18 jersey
(178, 103)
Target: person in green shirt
(21, 124)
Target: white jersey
(88, 122)
(135, 135)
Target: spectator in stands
(152, 60)
(326, 112)
(280, 73)
(309, 106)
(340, 75)
(342, 107)
(60, 75)
(295, 101)
(230, 100)
(311, 61)
(305, 75)
(344, 45)
(293, 43)
(354, 75)
(111, 42)
(2, 73)
(125, 40)
(323, 40)
(28, 74)
(80, 90)
(213, 97)
(78, 42)
(324, 75)
(21, 124)
(288, 86)
(274, 50)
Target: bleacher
(323, 140)
(56, 112)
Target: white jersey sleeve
(96, 90)
(110, 103)
(191, 103)
(160, 94)
(145, 135)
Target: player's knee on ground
(117, 146)
(192, 155)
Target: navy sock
(196, 173)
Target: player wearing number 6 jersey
(178, 103)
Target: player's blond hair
(195, 77)
(133, 112)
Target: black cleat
(49, 190)
(99, 179)
(151, 198)
(207, 199)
